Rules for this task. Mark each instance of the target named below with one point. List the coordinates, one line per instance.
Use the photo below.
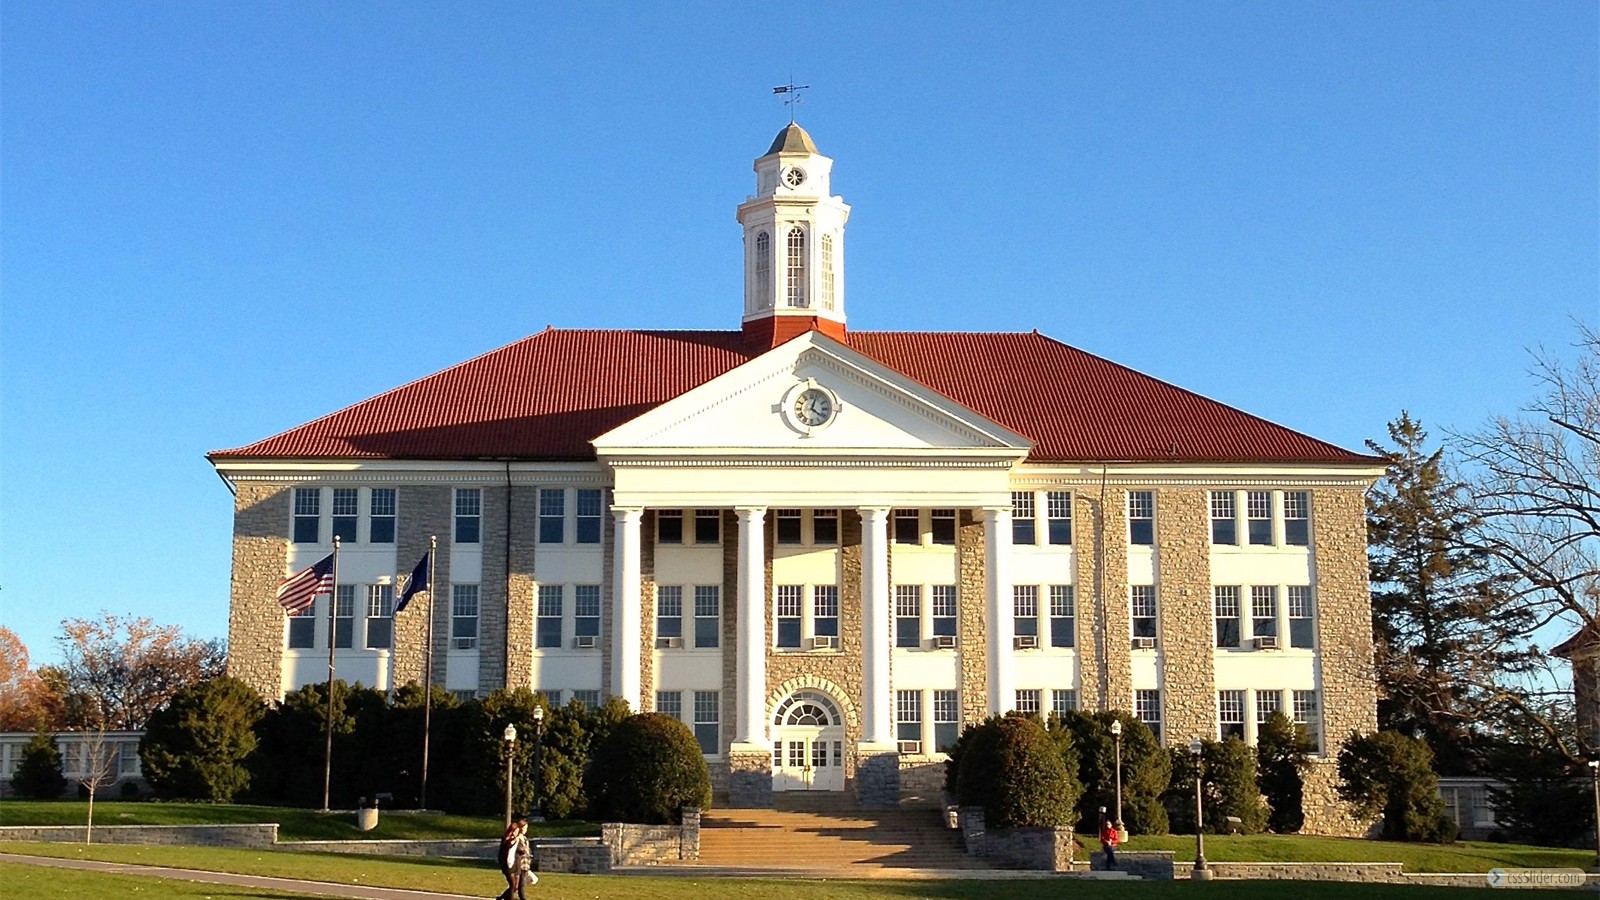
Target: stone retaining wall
(465, 849)
(1036, 849)
(1153, 865)
(255, 836)
(575, 856)
(642, 845)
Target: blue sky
(218, 221)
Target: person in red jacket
(1108, 839)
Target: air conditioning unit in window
(1144, 643)
(824, 642)
(586, 642)
(944, 642)
(1024, 642)
(669, 643)
(911, 748)
(464, 644)
(1265, 642)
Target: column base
(749, 776)
(877, 774)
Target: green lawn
(293, 824)
(1462, 857)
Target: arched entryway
(807, 743)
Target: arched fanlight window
(827, 271)
(763, 270)
(807, 708)
(797, 298)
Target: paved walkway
(288, 885)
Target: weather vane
(791, 95)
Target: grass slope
(1462, 857)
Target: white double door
(808, 758)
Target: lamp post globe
(1116, 737)
(1201, 872)
(510, 737)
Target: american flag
(300, 590)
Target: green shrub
(1146, 769)
(1280, 769)
(647, 769)
(196, 747)
(1012, 767)
(287, 766)
(1389, 774)
(1228, 786)
(38, 773)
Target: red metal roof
(547, 396)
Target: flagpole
(427, 676)
(333, 603)
(394, 635)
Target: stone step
(846, 838)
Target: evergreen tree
(38, 773)
(1146, 769)
(1391, 775)
(1228, 787)
(196, 747)
(1281, 762)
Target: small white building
(120, 750)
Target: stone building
(823, 549)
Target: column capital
(745, 513)
(623, 513)
(873, 512)
(994, 512)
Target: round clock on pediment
(809, 406)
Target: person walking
(1108, 840)
(516, 860)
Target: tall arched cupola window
(763, 271)
(795, 276)
(827, 271)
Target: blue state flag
(419, 581)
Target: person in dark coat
(516, 860)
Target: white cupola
(793, 243)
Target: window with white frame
(469, 515)
(907, 526)
(589, 699)
(128, 759)
(763, 270)
(1308, 718)
(942, 527)
(1258, 512)
(1063, 701)
(1224, 519)
(307, 515)
(706, 719)
(1028, 700)
(380, 616)
(946, 719)
(707, 616)
(552, 515)
(1023, 521)
(1142, 517)
(827, 271)
(943, 610)
(1025, 610)
(1267, 703)
(1142, 610)
(463, 616)
(1063, 616)
(303, 628)
(346, 514)
(669, 612)
(547, 618)
(589, 516)
(669, 526)
(552, 697)
(1058, 515)
(670, 703)
(1147, 707)
(825, 610)
(787, 523)
(796, 271)
(381, 509)
(1225, 604)
(908, 718)
(586, 612)
(1301, 627)
(344, 615)
(1230, 715)
(908, 615)
(790, 615)
(708, 526)
(1297, 518)
(825, 527)
(1264, 611)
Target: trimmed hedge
(196, 747)
(1013, 768)
(646, 770)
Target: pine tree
(38, 773)
(1280, 766)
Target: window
(589, 699)
(827, 271)
(1025, 609)
(943, 530)
(907, 526)
(825, 527)
(380, 616)
(380, 530)
(1063, 702)
(303, 628)
(1028, 701)
(547, 621)
(1267, 703)
(908, 716)
(552, 515)
(344, 615)
(705, 720)
(589, 515)
(307, 515)
(1230, 715)
(1258, 509)
(669, 611)
(465, 694)
(787, 626)
(764, 270)
(708, 526)
(463, 616)
(908, 615)
(1308, 718)
(669, 526)
(825, 610)
(1300, 620)
(128, 758)
(1263, 611)
(943, 609)
(1141, 517)
(469, 515)
(1022, 517)
(946, 719)
(586, 611)
(1142, 609)
(1224, 526)
(1058, 509)
(1225, 602)
(796, 273)
(670, 703)
(1147, 706)
(551, 697)
(1063, 613)
(1297, 518)
(346, 513)
(788, 525)
(707, 615)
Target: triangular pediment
(861, 407)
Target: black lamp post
(1200, 873)
(537, 814)
(510, 736)
(1116, 735)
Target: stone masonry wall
(521, 587)
(1183, 580)
(647, 612)
(972, 640)
(1104, 665)
(424, 511)
(492, 638)
(260, 561)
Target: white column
(877, 725)
(751, 669)
(1002, 625)
(626, 616)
